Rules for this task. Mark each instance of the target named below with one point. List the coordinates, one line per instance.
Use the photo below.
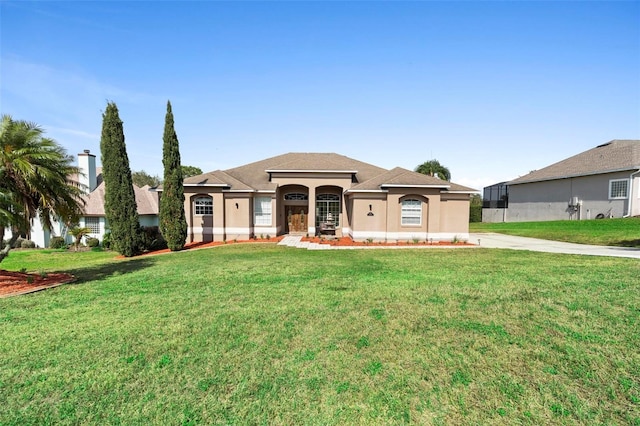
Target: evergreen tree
(119, 198)
(188, 171)
(173, 223)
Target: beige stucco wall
(444, 217)
(371, 221)
(454, 214)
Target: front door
(297, 218)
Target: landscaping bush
(106, 241)
(18, 243)
(152, 239)
(57, 243)
(93, 242)
(27, 244)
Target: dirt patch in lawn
(15, 283)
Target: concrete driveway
(492, 240)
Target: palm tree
(434, 168)
(34, 180)
(78, 234)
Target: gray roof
(614, 156)
(255, 176)
(146, 200)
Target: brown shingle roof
(368, 177)
(617, 155)
(146, 201)
(254, 174)
(217, 177)
(403, 177)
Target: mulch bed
(348, 242)
(15, 283)
(194, 246)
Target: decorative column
(311, 220)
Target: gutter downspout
(631, 193)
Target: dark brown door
(297, 217)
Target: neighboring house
(93, 216)
(312, 193)
(601, 182)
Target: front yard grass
(269, 335)
(622, 232)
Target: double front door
(297, 218)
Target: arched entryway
(295, 201)
(328, 209)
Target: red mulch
(14, 283)
(346, 241)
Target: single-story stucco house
(312, 193)
(601, 182)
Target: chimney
(87, 165)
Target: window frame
(612, 182)
(328, 204)
(417, 212)
(296, 196)
(208, 207)
(259, 214)
(94, 227)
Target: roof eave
(213, 185)
(461, 192)
(391, 185)
(355, 191)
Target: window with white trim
(411, 212)
(618, 189)
(203, 205)
(93, 223)
(262, 211)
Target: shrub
(93, 242)
(27, 244)
(475, 213)
(152, 239)
(17, 243)
(106, 240)
(57, 243)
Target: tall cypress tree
(173, 223)
(119, 198)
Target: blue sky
(490, 89)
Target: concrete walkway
(491, 240)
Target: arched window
(296, 196)
(327, 209)
(203, 205)
(411, 212)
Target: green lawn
(605, 232)
(260, 334)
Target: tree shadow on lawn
(119, 267)
(628, 243)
